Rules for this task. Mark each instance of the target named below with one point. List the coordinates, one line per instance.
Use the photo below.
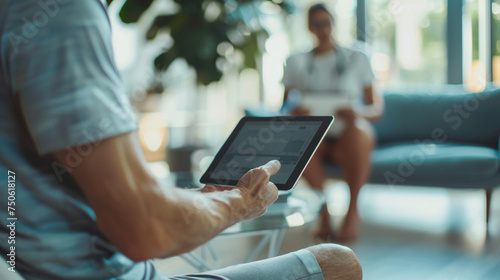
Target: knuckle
(263, 204)
(259, 175)
(259, 171)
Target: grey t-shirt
(59, 89)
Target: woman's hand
(300, 111)
(347, 114)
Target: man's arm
(147, 221)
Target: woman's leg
(352, 152)
(315, 170)
(315, 176)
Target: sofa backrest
(444, 115)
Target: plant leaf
(133, 9)
(159, 23)
(163, 61)
(196, 37)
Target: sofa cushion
(397, 163)
(451, 115)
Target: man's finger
(208, 188)
(271, 167)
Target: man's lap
(296, 265)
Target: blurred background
(191, 68)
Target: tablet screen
(256, 141)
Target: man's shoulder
(38, 14)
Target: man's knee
(337, 262)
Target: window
(495, 9)
(408, 40)
(477, 46)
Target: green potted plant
(202, 31)
(200, 28)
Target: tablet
(291, 140)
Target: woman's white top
(342, 73)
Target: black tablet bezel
(326, 122)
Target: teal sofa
(443, 137)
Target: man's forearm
(169, 221)
(145, 220)
(201, 216)
(160, 221)
(193, 218)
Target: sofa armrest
(498, 147)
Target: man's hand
(256, 191)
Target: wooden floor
(406, 233)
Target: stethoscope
(338, 68)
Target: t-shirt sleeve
(365, 70)
(65, 77)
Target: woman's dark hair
(320, 7)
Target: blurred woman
(335, 71)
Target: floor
(406, 233)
